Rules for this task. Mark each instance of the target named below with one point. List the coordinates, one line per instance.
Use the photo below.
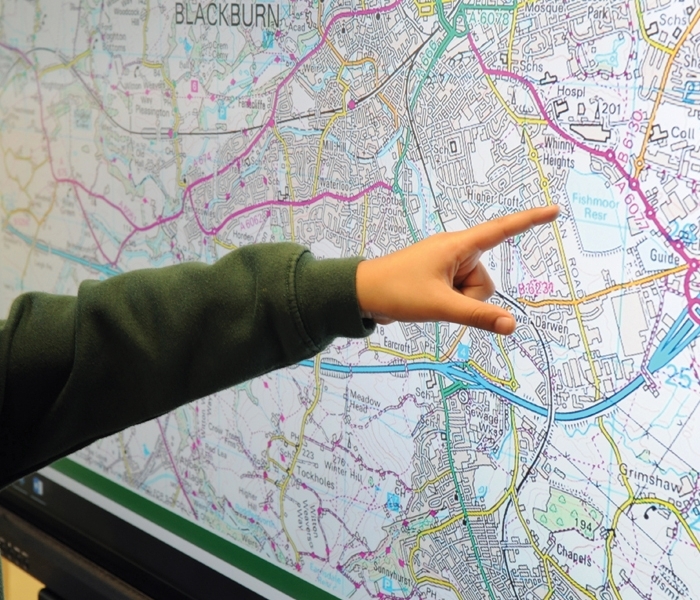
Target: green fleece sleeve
(125, 350)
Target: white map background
(427, 461)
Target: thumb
(457, 308)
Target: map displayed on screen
(428, 460)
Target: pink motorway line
(246, 209)
(236, 161)
(609, 156)
(242, 211)
(271, 121)
(77, 185)
(327, 194)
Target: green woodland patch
(565, 512)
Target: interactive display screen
(428, 460)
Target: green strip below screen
(255, 566)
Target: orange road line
(610, 290)
(639, 163)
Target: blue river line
(106, 269)
(682, 333)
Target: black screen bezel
(125, 551)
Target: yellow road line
(618, 513)
(283, 439)
(458, 339)
(224, 244)
(277, 464)
(546, 558)
(344, 63)
(425, 8)
(511, 37)
(431, 482)
(290, 471)
(426, 578)
(440, 582)
(520, 120)
(488, 375)
(645, 35)
(419, 355)
(514, 385)
(68, 65)
(534, 157)
(397, 121)
(416, 356)
(24, 188)
(472, 513)
(674, 509)
(616, 452)
(288, 166)
(510, 492)
(176, 124)
(639, 163)
(608, 546)
(324, 133)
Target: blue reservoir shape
(598, 214)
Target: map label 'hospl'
(227, 14)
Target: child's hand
(441, 278)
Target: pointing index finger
(488, 235)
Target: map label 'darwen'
(228, 14)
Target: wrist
(368, 289)
(363, 287)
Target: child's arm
(75, 369)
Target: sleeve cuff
(326, 295)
